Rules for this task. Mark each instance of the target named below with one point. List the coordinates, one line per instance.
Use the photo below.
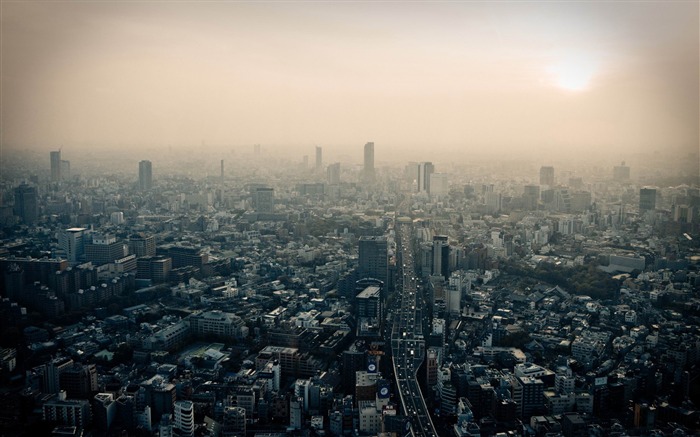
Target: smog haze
(467, 77)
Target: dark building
(55, 166)
(79, 381)
(142, 245)
(155, 268)
(104, 249)
(26, 203)
(373, 258)
(264, 199)
(145, 175)
(187, 256)
(647, 199)
(441, 256)
(547, 176)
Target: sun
(573, 73)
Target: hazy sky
(610, 75)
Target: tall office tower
(26, 203)
(319, 158)
(256, 149)
(547, 176)
(369, 162)
(65, 170)
(373, 258)
(264, 199)
(183, 416)
(647, 199)
(145, 175)
(334, 174)
(142, 245)
(621, 172)
(72, 241)
(425, 169)
(441, 256)
(55, 166)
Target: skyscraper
(26, 203)
(547, 176)
(145, 175)
(334, 174)
(319, 158)
(369, 162)
(425, 169)
(55, 166)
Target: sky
(520, 77)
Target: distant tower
(26, 203)
(369, 162)
(55, 166)
(425, 169)
(319, 158)
(647, 199)
(334, 174)
(65, 170)
(145, 175)
(621, 172)
(222, 172)
(547, 176)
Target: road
(407, 343)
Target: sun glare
(573, 74)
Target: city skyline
(455, 77)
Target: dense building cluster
(275, 299)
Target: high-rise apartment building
(369, 162)
(145, 175)
(26, 203)
(547, 176)
(425, 169)
(55, 166)
(264, 199)
(319, 158)
(183, 416)
(373, 258)
(647, 199)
